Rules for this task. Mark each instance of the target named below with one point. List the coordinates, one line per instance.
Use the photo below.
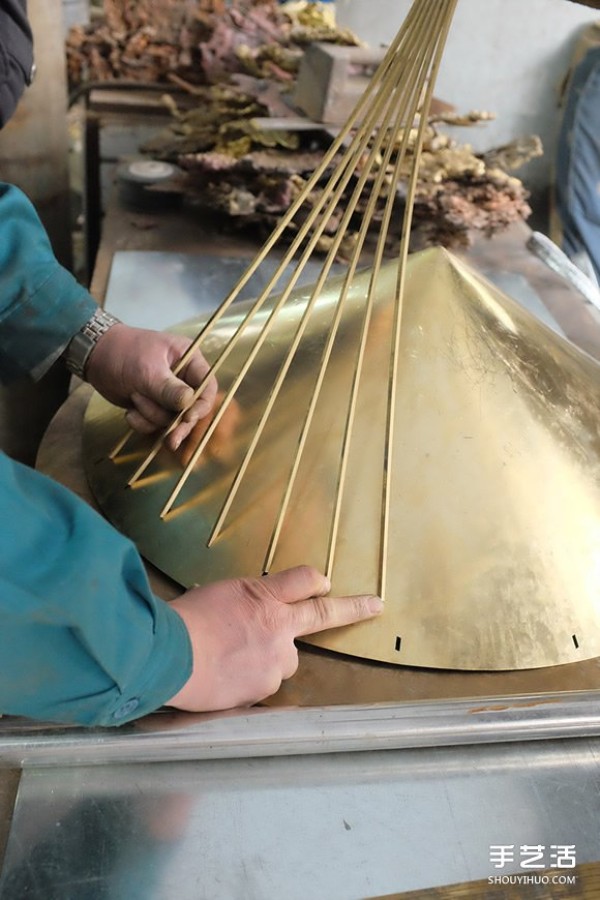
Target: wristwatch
(81, 344)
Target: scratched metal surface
(343, 826)
(156, 289)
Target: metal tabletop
(360, 780)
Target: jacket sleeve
(41, 305)
(82, 637)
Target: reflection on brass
(493, 537)
(407, 429)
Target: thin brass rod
(353, 155)
(354, 117)
(324, 208)
(121, 444)
(315, 237)
(388, 62)
(449, 9)
(356, 114)
(401, 119)
(275, 390)
(389, 206)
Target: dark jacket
(16, 55)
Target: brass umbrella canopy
(407, 428)
(492, 558)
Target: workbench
(356, 780)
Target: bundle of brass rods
(273, 239)
(381, 125)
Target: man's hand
(132, 367)
(242, 633)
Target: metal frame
(259, 732)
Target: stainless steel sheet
(347, 827)
(156, 289)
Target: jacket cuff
(36, 331)
(168, 668)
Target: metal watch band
(81, 344)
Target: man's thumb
(174, 394)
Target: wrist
(81, 346)
(184, 698)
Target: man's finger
(320, 614)
(196, 370)
(195, 374)
(178, 435)
(150, 410)
(137, 421)
(299, 583)
(202, 406)
(172, 393)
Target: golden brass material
(408, 429)
(384, 136)
(493, 557)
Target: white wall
(505, 56)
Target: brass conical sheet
(493, 558)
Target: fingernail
(375, 605)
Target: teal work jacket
(82, 637)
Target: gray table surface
(268, 822)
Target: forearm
(595, 4)
(41, 304)
(83, 639)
